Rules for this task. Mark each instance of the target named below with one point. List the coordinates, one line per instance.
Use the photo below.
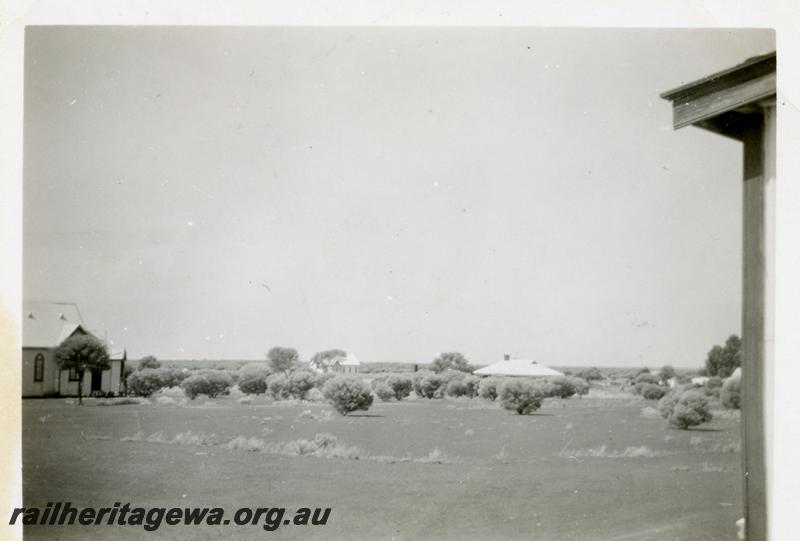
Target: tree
(521, 396)
(282, 359)
(149, 362)
(82, 353)
(452, 360)
(347, 393)
(685, 408)
(321, 360)
(253, 378)
(666, 373)
(723, 360)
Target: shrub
(378, 380)
(713, 386)
(431, 386)
(653, 392)
(690, 410)
(220, 382)
(563, 387)
(278, 387)
(730, 395)
(347, 393)
(416, 380)
(149, 362)
(581, 386)
(646, 377)
(195, 385)
(521, 396)
(322, 378)
(144, 382)
(466, 386)
(668, 401)
(172, 377)
(384, 392)
(590, 374)
(300, 382)
(208, 382)
(546, 388)
(253, 378)
(488, 388)
(400, 384)
(685, 408)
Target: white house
(45, 325)
(517, 367)
(346, 363)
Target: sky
(209, 193)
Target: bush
(581, 386)
(652, 392)
(563, 387)
(466, 386)
(278, 387)
(668, 401)
(300, 382)
(546, 388)
(521, 396)
(400, 384)
(685, 409)
(378, 380)
(384, 392)
(149, 362)
(195, 385)
(591, 374)
(220, 382)
(253, 378)
(212, 383)
(431, 386)
(144, 382)
(322, 378)
(488, 388)
(713, 387)
(647, 377)
(172, 377)
(347, 393)
(731, 393)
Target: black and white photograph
(397, 282)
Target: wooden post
(757, 316)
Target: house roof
(348, 360)
(46, 324)
(517, 367)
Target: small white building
(349, 364)
(45, 326)
(517, 368)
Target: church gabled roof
(46, 324)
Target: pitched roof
(517, 367)
(46, 324)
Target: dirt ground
(595, 468)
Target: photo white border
(782, 15)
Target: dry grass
(602, 451)
(649, 413)
(123, 401)
(323, 446)
(243, 443)
(435, 457)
